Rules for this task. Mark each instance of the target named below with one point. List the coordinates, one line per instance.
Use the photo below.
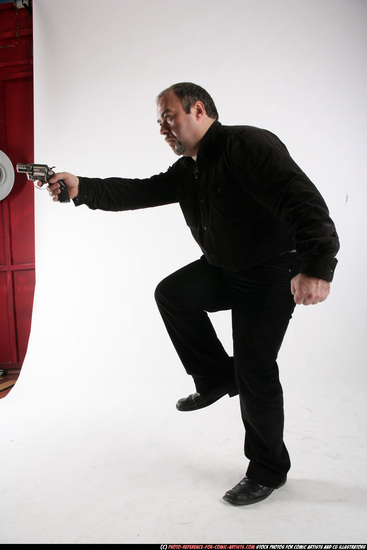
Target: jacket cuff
(319, 267)
(82, 195)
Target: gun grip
(64, 195)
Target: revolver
(41, 172)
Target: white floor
(92, 463)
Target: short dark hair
(189, 94)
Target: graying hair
(189, 94)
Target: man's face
(179, 128)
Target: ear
(198, 110)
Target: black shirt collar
(208, 145)
(209, 141)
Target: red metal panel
(17, 276)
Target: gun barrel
(23, 168)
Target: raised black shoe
(248, 491)
(197, 401)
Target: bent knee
(171, 290)
(159, 292)
(165, 291)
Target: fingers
(54, 190)
(308, 299)
(304, 297)
(70, 180)
(59, 176)
(309, 290)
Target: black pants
(262, 305)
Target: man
(268, 244)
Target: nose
(163, 129)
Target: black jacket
(245, 201)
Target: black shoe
(200, 400)
(249, 492)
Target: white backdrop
(92, 418)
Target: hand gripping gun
(41, 172)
